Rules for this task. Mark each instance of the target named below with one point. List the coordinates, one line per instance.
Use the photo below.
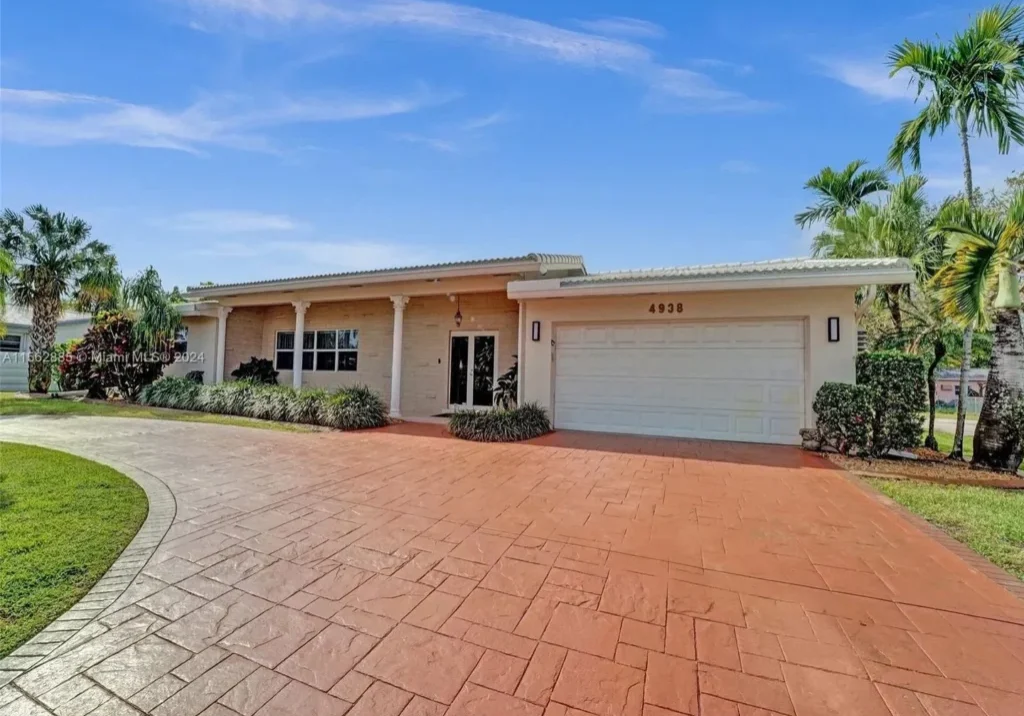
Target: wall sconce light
(833, 329)
(535, 331)
(458, 313)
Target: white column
(400, 303)
(222, 334)
(521, 353)
(300, 330)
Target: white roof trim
(199, 308)
(738, 277)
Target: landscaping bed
(352, 408)
(500, 425)
(21, 404)
(939, 471)
(63, 522)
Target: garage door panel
(732, 381)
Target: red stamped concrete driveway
(394, 572)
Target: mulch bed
(929, 467)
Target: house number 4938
(665, 308)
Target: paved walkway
(393, 572)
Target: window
(181, 340)
(10, 344)
(325, 351)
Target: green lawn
(63, 521)
(988, 520)
(15, 405)
(945, 441)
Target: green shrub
(196, 376)
(844, 416)
(499, 425)
(898, 394)
(347, 408)
(256, 370)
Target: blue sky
(231, 140)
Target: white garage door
(722, 381)
(14, 362)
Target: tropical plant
(840, 192)
(352, 408)
(155, 318)
(118, 360)
(897, 227)
(54, 262)
(506, 388)
(6, 269)
(256, 370)
(500, 426)
(974, 84)
(981, 278)
(196, 376)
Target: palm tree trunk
(940, 352)
(894, 309)
(996, 446)
(45, 313)
(965, 364)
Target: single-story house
(947, 385)
(14, 346)
(729, 351)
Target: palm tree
(153, 311)
(894, 228)
(973, 83)
(6, 269)
(841, 192)
(986, 254)
(54, 262)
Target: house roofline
(540, 263)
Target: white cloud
(43, 117)
(220, 222)
(623, 27)
(871, 77)
(487, 120)
(359, 255)
(499, 30)
(738, 166)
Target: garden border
(79, 623)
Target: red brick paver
(399, 573)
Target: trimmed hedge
(845, 413)
(499, 425)
(346, 408)
(899, 390)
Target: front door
(473, 364)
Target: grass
(63, 522)
(945, 441)
(11, 404)
(988, 520)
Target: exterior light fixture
(833, 329)
(458, 313)
(535, 331)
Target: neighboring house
(14, 347)
(731, 351)
(947, 385)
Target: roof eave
(559, 288)
(425, 274)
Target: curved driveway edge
(81, 622)
(401, 573)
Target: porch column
(222, 334)
(400, 303)
(300, 330)
(521, 354)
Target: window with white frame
(323, 351)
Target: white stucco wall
(202, 349)
(824, 361)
